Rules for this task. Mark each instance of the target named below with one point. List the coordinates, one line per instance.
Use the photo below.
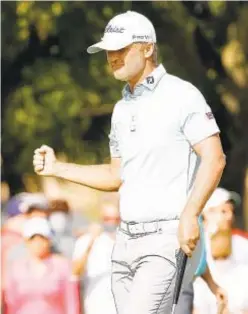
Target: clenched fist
(44, 161)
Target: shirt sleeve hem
(205, 136)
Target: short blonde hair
(155, 55)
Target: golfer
(166, 160)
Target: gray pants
(144, 270)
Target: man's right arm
(104, 177)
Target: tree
(54, 93)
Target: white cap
(37, 225)
(123, 30)
(37, 200)
(221, 196)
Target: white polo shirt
(153, 131)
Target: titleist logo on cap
(114, 29)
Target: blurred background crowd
(57, 237)
(55, 261)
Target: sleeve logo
(209, 115)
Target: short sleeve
(197, 119)
(114, 139)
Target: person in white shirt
(166, 160)
(92, 255)
(227, 256)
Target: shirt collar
(150, 82)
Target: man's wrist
(57, 168)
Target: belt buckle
(153, 226)
(124, 226)
(129, 227)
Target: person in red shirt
(227, 254)
(41, 281)
(18, 209)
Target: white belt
(145, 227)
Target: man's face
(128, 62)
(219, 218)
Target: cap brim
(107, 45)
(29, 236)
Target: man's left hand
(188, 233)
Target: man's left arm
(208, 175)
(207, 179)
(201, 130)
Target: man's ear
(149, 48)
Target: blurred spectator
(12, 226)
(31, 205)
(197, 265)
(185, 302)
(14, 211)
(227, 256)
(10, 231)
(219, 219)
(61, 224)
(92, 260)
(40, 282)
(17, 209)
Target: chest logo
(133, 124)
(150, 80)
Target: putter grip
(181, 265)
